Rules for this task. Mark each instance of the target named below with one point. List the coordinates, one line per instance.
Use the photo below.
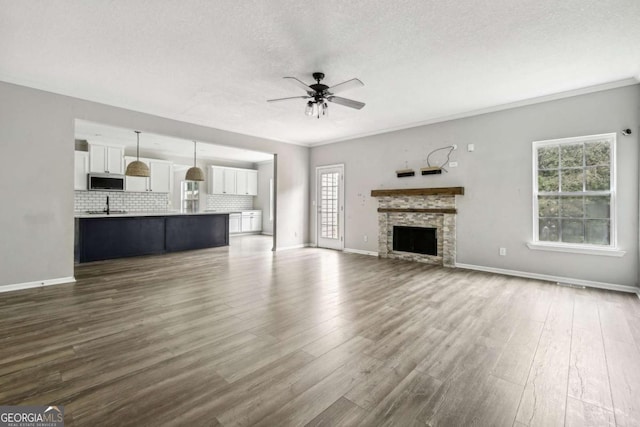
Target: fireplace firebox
(419, 240)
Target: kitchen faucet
(107, 209)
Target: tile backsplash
(149, 202)
(131, 202)
(228, 202)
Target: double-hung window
(574, 192)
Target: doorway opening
(239, 182)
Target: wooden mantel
(414, 210)
(442, 191)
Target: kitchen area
(138, 193)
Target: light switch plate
(471, 147)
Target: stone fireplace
(419, 208)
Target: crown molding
(523, 103)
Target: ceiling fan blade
(349, 84)
(286, 99)
(346, 102)
(302, 84)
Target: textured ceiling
(216, 62)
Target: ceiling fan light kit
(137, 168)
(318, 94)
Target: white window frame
(585, 248)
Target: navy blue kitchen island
(100, 237)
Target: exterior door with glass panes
(330, 206)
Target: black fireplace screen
(419, 240)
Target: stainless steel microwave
(105, 182)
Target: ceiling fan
(318, 94)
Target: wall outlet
(366, 238)
(455, 146)
(453, 164)
(503, 251)
(471, 147)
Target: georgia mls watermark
(31, 416)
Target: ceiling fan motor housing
(319, 88)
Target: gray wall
(36, 175)
(496, 210)
(265, 173)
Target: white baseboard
(37, 284)
(266, 234)
(359, 251)
(550, 278)
(286, 248)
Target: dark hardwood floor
(242, 336)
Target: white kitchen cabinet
(252, 183)
(216, 180)
(251, 221)
(81, 168)
(106, 158)
(247, 182)
(136, 183)
(229, 181)
(160, 179)
(246, 223)
(235, 223)
(98, 158)
(224, 180)
(115, 160)
(158, 182)
(241, 181)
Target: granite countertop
(152, 213)
(157, 213)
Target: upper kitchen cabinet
(158, 182)
(234, 181)
(106, 158)
(229, 186)
(81, 168)
(136, 183)
(216, 180)
(222, 180)
(247, 182)
(253, 183)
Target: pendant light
(194, 173)
(137, 168)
